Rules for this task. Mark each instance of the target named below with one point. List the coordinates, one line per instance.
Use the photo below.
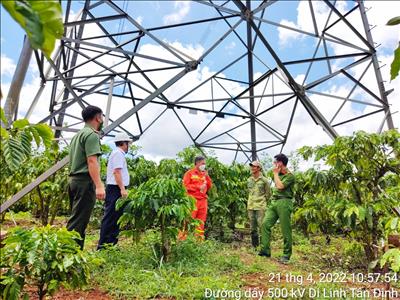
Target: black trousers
(82, 196)
(109, 227)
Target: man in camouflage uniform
(259, 193)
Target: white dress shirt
(117, 161)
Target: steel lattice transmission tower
(221, 74)
(97, 57)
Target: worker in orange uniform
(197, 184)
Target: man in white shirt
(117, 182)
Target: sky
(167, 136)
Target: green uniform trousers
(278, 209)
(82, 196)
(256, 217)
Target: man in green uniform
(84, 178)
(259, 193)
(280, 209)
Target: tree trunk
(2, 217)
(369, 240)
(165, 247)
(36, 209)
(44, 213)
(135, 232)
(232, 221)
(41, 292)
(54, 213)
(57, 205)
(369, 252)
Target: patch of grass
(21, 218)
(340, 254)
(18, 216)
(135, 270)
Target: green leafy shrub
(21, 163)
(362, 180)
(391, 257)
(228, 197)
(160, 203)
(16, 142)
(140, 170)
(47, 200)
(313, 206)
(44, 257)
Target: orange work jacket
(193, 180)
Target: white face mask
(202, 168)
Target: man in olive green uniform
(259, 193)
(84, 182)
(280, 208)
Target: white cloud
(287, 36)
(304, 20)
(379, 14)
(139, 19)
(182, 9)
(7, 65)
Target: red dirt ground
(63, 294)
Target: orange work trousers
(200, 213)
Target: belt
(80, 176)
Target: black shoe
(264, 254)
(284, 260)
